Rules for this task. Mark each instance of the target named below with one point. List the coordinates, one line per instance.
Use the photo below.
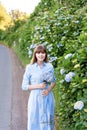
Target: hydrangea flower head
(68, 55)
(47, 76)
(62, 71)
(68, 77)
(78, 105)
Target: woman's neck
(40, 63)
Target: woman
(39, 78)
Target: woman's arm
(51, 86)
(37, 86)
(46, 91)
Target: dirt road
(19, 97)
(13, 100)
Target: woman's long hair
(39, 48)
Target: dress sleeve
(54, 78)
(52, 71)
(26, 78)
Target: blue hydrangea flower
(68, 77)
(52, 59)
(48, 76)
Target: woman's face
(40, 56)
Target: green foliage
(75, 90)
(62, 28)
(2, 33)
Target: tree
(18, 15)
(5, 19)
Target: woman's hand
(45, 92)
(42, 85)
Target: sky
(22, 5)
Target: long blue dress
(40, 108)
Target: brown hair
(39, 48)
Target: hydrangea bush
(72, 80)
(65, 39)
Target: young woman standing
(39, 78)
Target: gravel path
(19, 97)
(5, 89)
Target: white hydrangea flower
(14, 42)
(32, 46)
(68, 55)
(78, 105)
(30, 53)
(44, 43)
(71, 74)
(49, 47)
(52, 59)
(61, 81)
(62, 71)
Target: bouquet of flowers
(47, 76)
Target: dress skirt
(40, 111)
